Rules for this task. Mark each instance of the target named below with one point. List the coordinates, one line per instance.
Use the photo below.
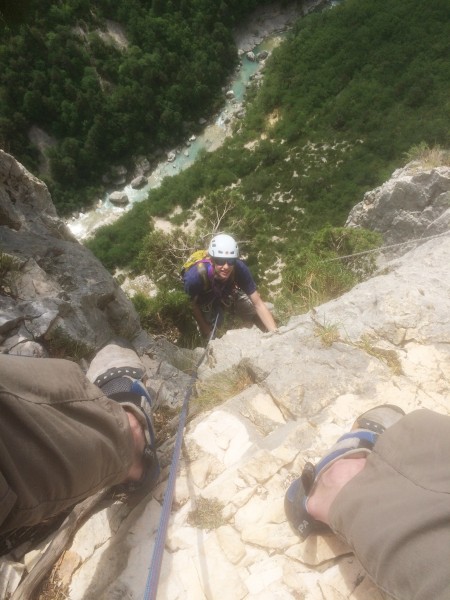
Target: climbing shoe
(135, 397)
(119, 372)
(359, 442)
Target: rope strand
(383, 248)
(151, 587)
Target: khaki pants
(61, 440)
(395, 514)
(239, 304)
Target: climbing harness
(151, 587)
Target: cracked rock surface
(240, 456)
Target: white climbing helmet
(223, 246)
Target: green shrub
(334, 261)
(168, 314)
(9, 272)
(162, 255)
(119, 244)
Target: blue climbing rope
(151, 587)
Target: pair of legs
(239, 305)
(390, 503)
(61, 439)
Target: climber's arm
(263, 312)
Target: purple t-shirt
(194, 284)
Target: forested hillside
(102, 82)
(352, 94)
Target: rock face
(57, 299)
(386, 341)
(413, 204)
(138, 182)
(55, 291)
(119, 198)
(298, 390)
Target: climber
(222, 281)
(64, 438)
(384, 488)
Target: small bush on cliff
(336, 259)
(168, 314)
(429, 157)
(162, 255)
(9, 272)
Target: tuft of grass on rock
(9, 272)
(430, 157)
(223, 386)
(389, 357)
(207, 514)
(60, 345)
(328, 333)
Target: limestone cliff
(385, 341)
(56, 298)
(413, 205)
(53, 291)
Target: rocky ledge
(386, 341)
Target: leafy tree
(162, 256)
(57, 73)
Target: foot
(137, 468)
(135, 399)
(330, 484)
(356, 446)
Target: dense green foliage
(374, 69)
(335, 260)
(343, 100)
(102, 103)
(168, 314)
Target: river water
(212, 137)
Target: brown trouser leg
(61, 440)
(395, 514)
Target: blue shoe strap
(137, 387)
(349, 442)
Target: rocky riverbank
(269, 19)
